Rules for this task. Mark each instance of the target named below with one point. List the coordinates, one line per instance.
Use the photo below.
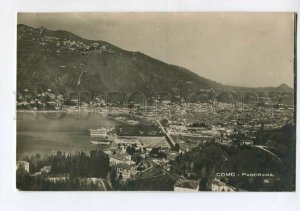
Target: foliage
(207, 159)
(79, 165)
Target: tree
(99, 164)
(130, 150)
(176, 147)
(24, 181)
(164, 122)
(120, 176)
(203, 184)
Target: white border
(11, 199)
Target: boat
(102, 136)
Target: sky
(241, 49)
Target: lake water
(44, 134)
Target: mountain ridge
(55, 59)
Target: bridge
(168, 137)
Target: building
(183, 185)
(125, 171)
(174, 129)
(56, 179)
(166, 102)
(218, 186)
(226, 142)
(246, 142)
(25, 164)
(120, 158)
(46, 169)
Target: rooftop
(189, 184)
(123, 166)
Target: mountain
(280, 88)
(55, 59)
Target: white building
(120, 158)
(46, 169)
(246, 142)
(56, 179)
(25, 164)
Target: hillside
(54, 59)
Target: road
(119, 120)
(264, 148)
(173, 176)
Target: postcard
(179, 102)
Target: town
(162, 142)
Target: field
(154, 142)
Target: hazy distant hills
(55, 59)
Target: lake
(43, 133)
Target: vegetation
(207, 159)
(55, 59)
(198, 124)
(284, 141)
(157, 153)
(76, 167)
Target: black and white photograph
(161, 101)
